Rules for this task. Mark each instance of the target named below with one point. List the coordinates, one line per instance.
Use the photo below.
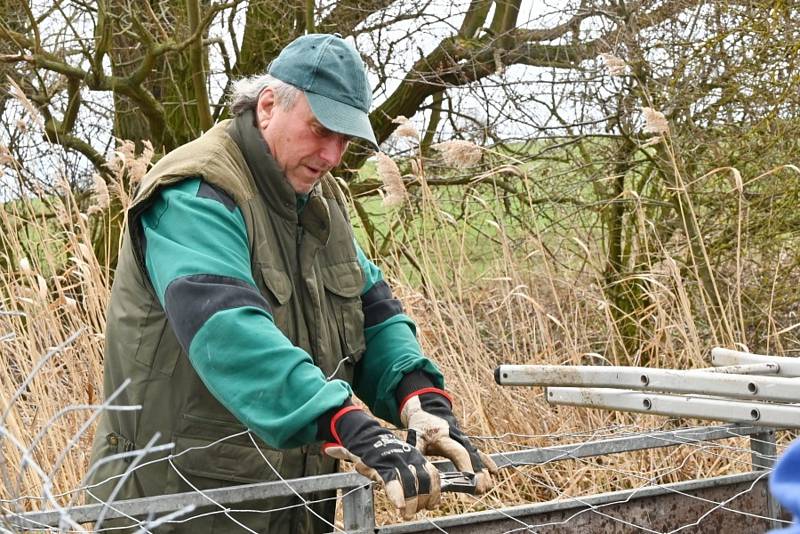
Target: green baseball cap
(331, 74)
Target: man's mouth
(316, 170)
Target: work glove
(433, 430)
(411, 482)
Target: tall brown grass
(481, 291)
(52, 317)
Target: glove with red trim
(433, 429)
(411, 482)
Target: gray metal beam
(635, 442)
(167, 503)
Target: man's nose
(333, 147)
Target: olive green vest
(307, 270)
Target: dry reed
(521, 307)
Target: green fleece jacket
(189, 234)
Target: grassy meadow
(490, 278)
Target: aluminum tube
(714, 409)
(762, 388)
(749, 369)
(722, 357)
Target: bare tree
(558, 91)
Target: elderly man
(245, 316)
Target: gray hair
(246, 91)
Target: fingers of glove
(479, 460)
(422, 478)
(410, 508)
(428, 486)
(484, 482)
(406, 503)
(394, 491)
(436, 486)
(488, 463)
(423, 487)
(410, 485)
(414, 483)
(453, 451)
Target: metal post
(764, 450)
(764, 453)
(359, 510)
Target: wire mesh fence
(696, 505)
(648, 476)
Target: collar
(269, 178)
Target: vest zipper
(301, 282)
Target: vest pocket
(278, 293)
(343, 285)
(278, 284)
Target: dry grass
(530, 307)
(52, 319)
(527, 305)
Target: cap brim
(342, 118)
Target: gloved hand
(411, 482)
(433, 429)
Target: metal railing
(357, 491)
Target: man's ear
(265, 107)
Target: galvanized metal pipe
(711, 408)
(723, 357)
(747, 369)
(764, 456)
(763, 388)
(359, 510)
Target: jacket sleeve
(392, 347)
(198, 260)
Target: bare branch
(198, 67)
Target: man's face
(300, 145)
